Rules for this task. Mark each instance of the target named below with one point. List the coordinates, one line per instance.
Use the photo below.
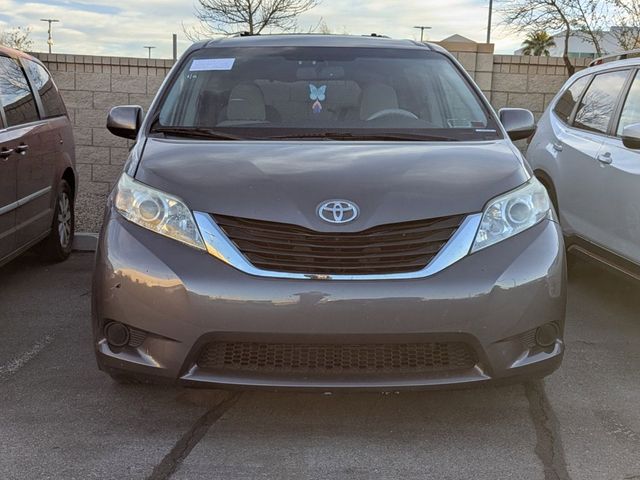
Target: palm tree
(538, 43)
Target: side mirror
(631, 136)
(518, 122)
(125, 121)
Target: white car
(586, 151)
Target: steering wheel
(392, 111)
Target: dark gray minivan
(326, 212)
(37, 157)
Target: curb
(85, 242)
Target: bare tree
(627, 20)
(18, 38)
(548, 15)
(585, 18)
(228, 17)
(323, 28)
(590, 20)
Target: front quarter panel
(540, 154)
(545, 160)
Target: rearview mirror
(518, 122)
(125, 121)
(631, 136)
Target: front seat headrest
(246, 102)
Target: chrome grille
(393, 248)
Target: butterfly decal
(317, 93)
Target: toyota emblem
(338, 211)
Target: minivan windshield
(323, 92)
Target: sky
(119, 28)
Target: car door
(620, 176)
(36, 185)
(8, 194)
(25, 135)
(582, 191)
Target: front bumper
(182, 299)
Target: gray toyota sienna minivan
(38, 181)
(326, 212)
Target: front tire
(57, 246)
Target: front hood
(286, 181)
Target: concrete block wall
(90, 86)
(528, 82)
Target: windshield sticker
(211, 64)
(319, 95)
(458, 123)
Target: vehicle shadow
(431, 434)
(603, 284)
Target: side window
(570, 97)
(597, 106)
(51, 101)
(631, 110)
(15, 94)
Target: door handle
(22, 149)
(6, 153)
(557, 146)
(605, 158)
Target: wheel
(57, 246)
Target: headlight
(156, 211)
(512, 213)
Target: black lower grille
(136, 337)
(394, 248)
(337, 358)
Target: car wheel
(57, 246)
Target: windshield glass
(298, 92)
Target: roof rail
(615, 56)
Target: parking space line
(12, 367)
(181, 450)
(549, 444)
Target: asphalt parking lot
(61, 418)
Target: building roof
(458, 39)
(579, 44)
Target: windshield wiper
(199, 132)
(408, 137)
(196, 132)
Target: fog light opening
(117, 334)
(547, 334)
